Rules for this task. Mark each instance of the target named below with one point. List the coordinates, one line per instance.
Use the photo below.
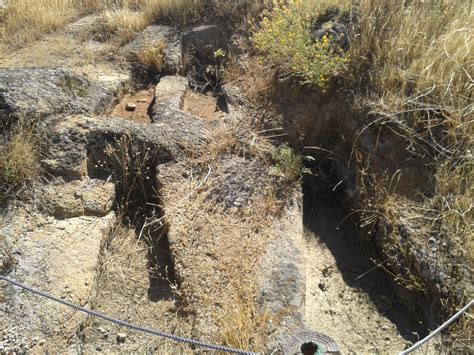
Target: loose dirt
(343, 300)
(201, 105)
(142, 100)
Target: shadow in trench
(160, 265)
(325, 218)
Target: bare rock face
(282, 281)
(56, 256)
(239, 180)
(87, 197)
(61, 201)
(38, 93)
(200, 43)
(172, 133)
(65, 154)
(97, 197)
(169, 94)
(448, 277)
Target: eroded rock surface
(283, 281)
(30, 93)
(200, 43)
(77, 198)
(56, 256)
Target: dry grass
(19, 163)
(420, 58)
(153, 57)
(254, 79)
(227, 243)
(411, 66)
(178, 11)
(222, 142)
(28, 20)
(244, 326)
(122, 24)
(229, 306)
(25, 20)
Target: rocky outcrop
(200, 60)
(39, 93)
(239, 180)
(65, 154)
(409, 250)
(199, 45)
(84, 27)
(56, 256)
(334, 25)
(77, 198)
(169, 94)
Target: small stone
(41, 342)
(130, 106)
(121, 337)
(384, 327)
(432, 240)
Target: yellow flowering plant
(284, 36)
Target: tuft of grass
(122, 24)
(131, 165)
(176, 11)
(153, 57)
(19, 162)
(222, 141)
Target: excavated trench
(133, 165)
(136, 269)
(347, 296)
(135, 106)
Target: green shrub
(284, 36)
(288, 164)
